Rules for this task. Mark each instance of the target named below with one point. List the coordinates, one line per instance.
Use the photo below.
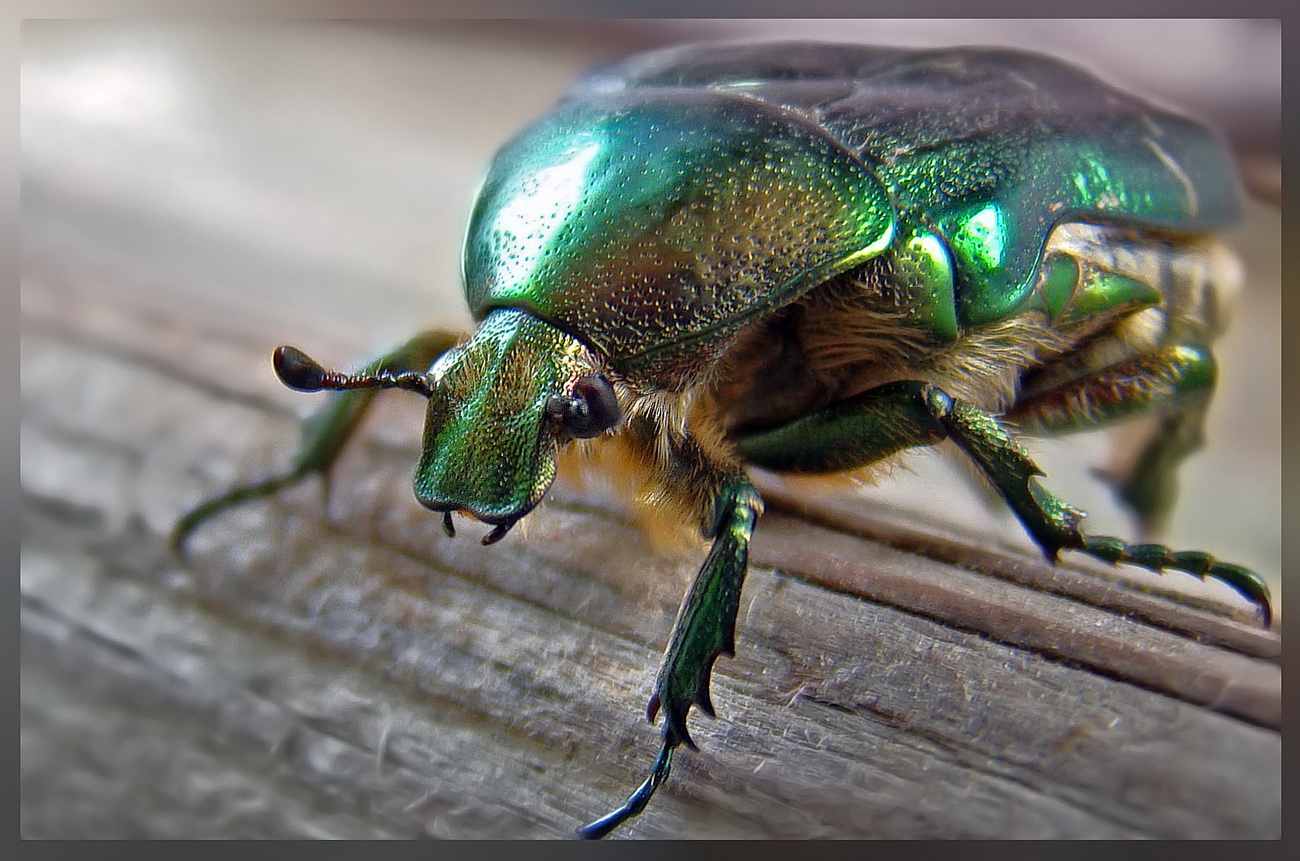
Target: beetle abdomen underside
(1140, 292)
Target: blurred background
(315, 178)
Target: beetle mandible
(809, 258)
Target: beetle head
(500, 406)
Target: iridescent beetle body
(809, 258)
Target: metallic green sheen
(996, 241)
(488, 448)
(654, 225)
(923, 267)
(987, 148)
(1057, 285)
(1099, 292)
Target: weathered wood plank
(366, 676)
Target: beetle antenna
(299, 371)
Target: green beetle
(809, 258)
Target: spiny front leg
(706, 626)
(705, 629)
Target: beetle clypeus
(810, 257)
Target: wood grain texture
(348, 671)
(363, 675)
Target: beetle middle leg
(889, 418)
(326, 431)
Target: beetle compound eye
(591, 410)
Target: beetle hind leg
(1150, 487)
(326, 431)
(1174, 382)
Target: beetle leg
(326, 431)
(705, 626)
(1176, 380)
(848, 434)
(1151, 486)
(904, 414)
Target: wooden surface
(355, 673)
(367, 676)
